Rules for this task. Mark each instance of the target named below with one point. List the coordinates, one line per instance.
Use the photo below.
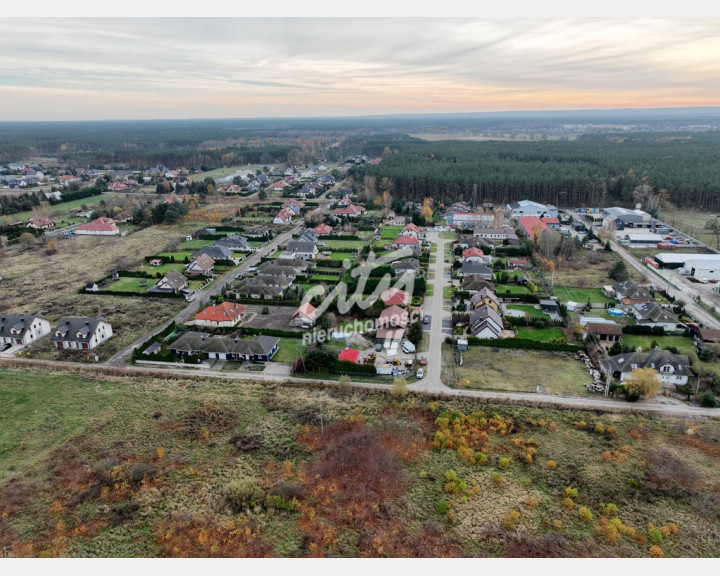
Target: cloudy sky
(115, 68)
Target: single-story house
(259, 349)
(173, 281)
(605, 331)
(395, 296)
(476, 269)
(223, 315)
(201, 265)
(629, 293)
(650, 314)
(98, 227)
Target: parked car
(426, 320)
(5, 346)
(420, 373)
(423, 361)
(378, 347)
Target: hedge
(347, 367)
(644, 330)
(246, 330)
(527, 343)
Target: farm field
(522, 371)
(116, 466)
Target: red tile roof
(323, 229)
(225, 312)
(406, 241)
(395, 296)
(473, 253)
(532, 223)
(99, 225)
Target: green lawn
(448, 235)
(684, 344)
(529, 309)
(582, 295)
(447, 293)
(343, 244)
(179, 256)
(288, 350)
(540, 334)
(390, 232)
(163, 268)
(130, 285)
(503, 289)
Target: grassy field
(523, 371)
(288, 350)
(540, 334)
(690, 222)
(529, 309)
(390, 232)
(124, 284)
(581, 295)
(684, 344)
(65, 212)
(116, 466)
(589, 269)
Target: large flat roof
(681, 257)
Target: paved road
(434, 307)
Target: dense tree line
(683, 168)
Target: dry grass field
(690, 222)
(95, 465)
(34, 282)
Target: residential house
(305, 316)
(300, 250)
(391, 325)
(202, 265)
(352, 211)
(486, 323)
(270, 268)
(549, 306)
(485, 297)
(673, 369)
(395, 296)
(259, 349)
(407, 241)
(173, 282)
(605, 331)
(261, 287)
(323, 229)
(475, 283)
(226, 314)
(81, 333)
(412, 230)
(629, 293)
(99, 227)
(283, 217)
(650, 314)
(258, 232)
(41, 223)
(474, 255)
(22, 329)
(215, 251)
(295, 206)
(308, 235)
(125, 216)
(405, 266)
(476, 269)
(533, 226)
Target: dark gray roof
(16, 325)
(75, 329)
(649, 313)
(655, 359)
(258, 285)
(630, 289)
(271, 269)
(174, 279)
(406, 264)
(232, 242)
(469, 268)
(256, 232)
(303, 247)
(195, 342)
(476, 283)
(215, 252)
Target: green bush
(243, 493)
(708, 400)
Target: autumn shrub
(581, 425)
(656, 552)
(243, 493)
(453, 483)
(510, 520)
(504, 463)
(481, 458)
(599, 428)
(568, 503)
(557, 524)
(585, 514)
(571, 492)
(551, 464)
(498, 480)
(635, 435)
(531, 502)
(609, 510)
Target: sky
(92, 68)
